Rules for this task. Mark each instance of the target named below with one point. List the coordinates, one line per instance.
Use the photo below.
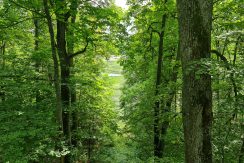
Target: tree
(195, 21)
(59, 109)
(151, 69)
(38, 85)
(157, 142)
(66, 19)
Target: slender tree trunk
(241, 150)
(157, 141)
(2, 92)
(168, 104)
(195, 19)
(59, 110)
(37, 62)
(3, 47)
(236, 49)
(56, 67)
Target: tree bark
(65, 76)
(195, 19)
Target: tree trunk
(56, 67)
(67, 89)
(241, 151)
(66, 62)
(3, 47)
(2, 51)
(59, 110)
(168, 103)
(74, 113)
(65, 76)
(157, 141)
(37, 62)
(195, 19)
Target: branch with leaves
(26, 8)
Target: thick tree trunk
(59, 110)
(195, 18)
(67, 89)
(65, 76)
(66, 62)
(74, 113)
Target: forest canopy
(151, 81)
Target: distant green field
(114, 68)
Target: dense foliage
(58, 103)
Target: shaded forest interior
(155, 81)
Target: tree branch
(223, 58)
(16, 23)
(236, 48)
(25, 78)
(79, 52)
(152, 29)
(26, 8)
(2, 46)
